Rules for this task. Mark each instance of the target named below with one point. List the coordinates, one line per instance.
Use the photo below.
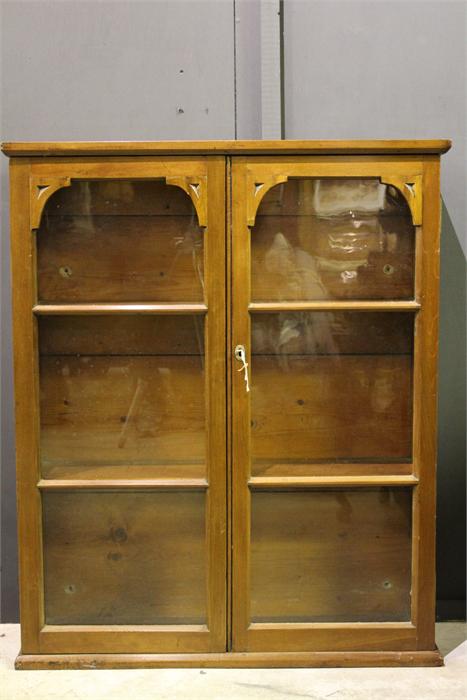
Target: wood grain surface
(124, 558)
(330, 556)
(108, 148)
(163, 510)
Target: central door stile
(228, 394)
(240, 407)
(216, 379)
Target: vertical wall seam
(234, 7)
(282, 66)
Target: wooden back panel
(119, 240)
(122, 391)
(331, 556)
(332, 239)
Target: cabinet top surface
(121, 148)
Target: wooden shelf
(280, 306)
(284, 482)
(125, 484)
(132, 308)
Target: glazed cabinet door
(334, 313)
(119, 278)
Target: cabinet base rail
(316, 659)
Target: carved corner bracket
(40, 189)
(257, 187)
(411, 189)
(196, 189)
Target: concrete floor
(447, 683)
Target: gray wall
(104, 70)
(113, 70)
(398, 70)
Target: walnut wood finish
(147, 258)
(309, 400)
(170, 517)
(74, 352)
(108, 148)
(124, 558)
(120, 390)
(285, 458)
(304, 552)
(315, 408)
(121, 308)
(318, 659)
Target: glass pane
(119, 240)
(330, 387)
(332, 239)
(124, 558)
(122, 391)
(331, 556)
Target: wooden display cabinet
(225, 367)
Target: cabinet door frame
(417, 177)
(33, 180)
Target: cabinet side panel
(426, 408)
(240, 411)
(25, 364)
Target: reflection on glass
(332, 239)
(119, 240)
(331, 556)
(126, 390)
(124, 558)
(330, 387)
